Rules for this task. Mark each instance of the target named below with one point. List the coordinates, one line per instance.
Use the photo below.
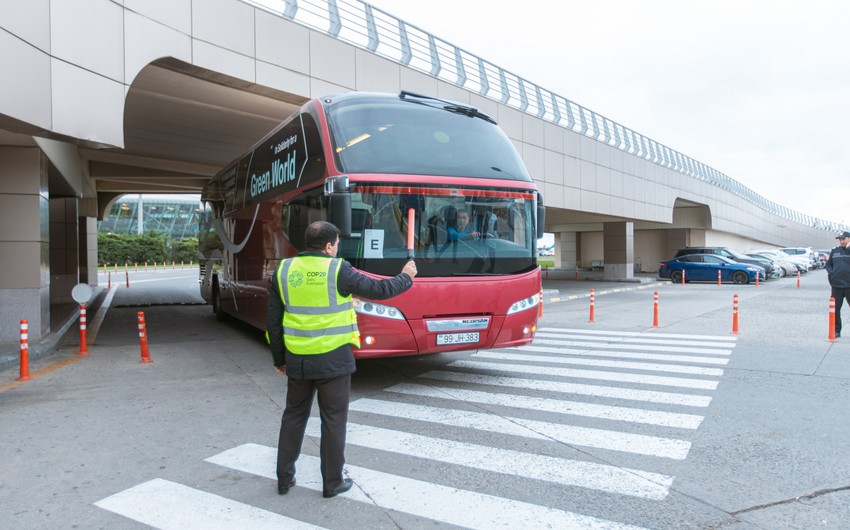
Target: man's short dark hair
(319, 234)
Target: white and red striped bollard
(540, 311)
(83, 346)
(798, 279)
(592, 304)
(683, 276)
(25, 351)
(655, 310)
(735, 314)
(830, 337)
(719, 280)
(143, 338)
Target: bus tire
(216, 302)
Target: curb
(559, 298)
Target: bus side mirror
(339, 195)
(541, 216)
(340, 210)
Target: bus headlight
(377, 310)
(525, 304)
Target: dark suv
(771, 269)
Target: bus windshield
(402, 136)
(457, 232)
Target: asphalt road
(610, 424)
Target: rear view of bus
(477, 216)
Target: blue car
(704, 267)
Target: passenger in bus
(503, 228)
(460, 229)
(311, 329)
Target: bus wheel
(216, 303)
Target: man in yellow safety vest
(311, 328)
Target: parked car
(780, 259)
(802, 251)
(704, 267)
(801, 261)
(726, 252)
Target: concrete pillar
(566, 250)
(64, 249)
(88, 250)
(619, 250)
(24, 243)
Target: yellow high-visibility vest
(317, 319)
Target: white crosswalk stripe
(629, 365)
(632, 394)
(583, 436)
(424, 499)
(169, 505)
(511, 402)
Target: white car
(800, 261)
(802, 251)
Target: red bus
(361, 161)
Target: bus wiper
(472, 112)
(451, 106)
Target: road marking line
(627, 365)
(38, 373)
(641, 334)
(614, 341)
(633, 394)
(169, 505)
(616, 353)
(568, 434)
(589, 475)
(416, 497)
(575, 408)
(657, 380)
(653, 348)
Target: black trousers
(840, 294)
(334, 396)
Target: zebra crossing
(579, 410)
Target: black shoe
(837, 334)
(342, 488)
(283, 489)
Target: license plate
(446, 339)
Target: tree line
(145, 248)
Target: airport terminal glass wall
(176, 216)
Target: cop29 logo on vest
(295, 279)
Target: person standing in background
(838, 272)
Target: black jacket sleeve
(354, 282)
(274, 324)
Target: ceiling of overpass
(181, 126)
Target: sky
(759, 90)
